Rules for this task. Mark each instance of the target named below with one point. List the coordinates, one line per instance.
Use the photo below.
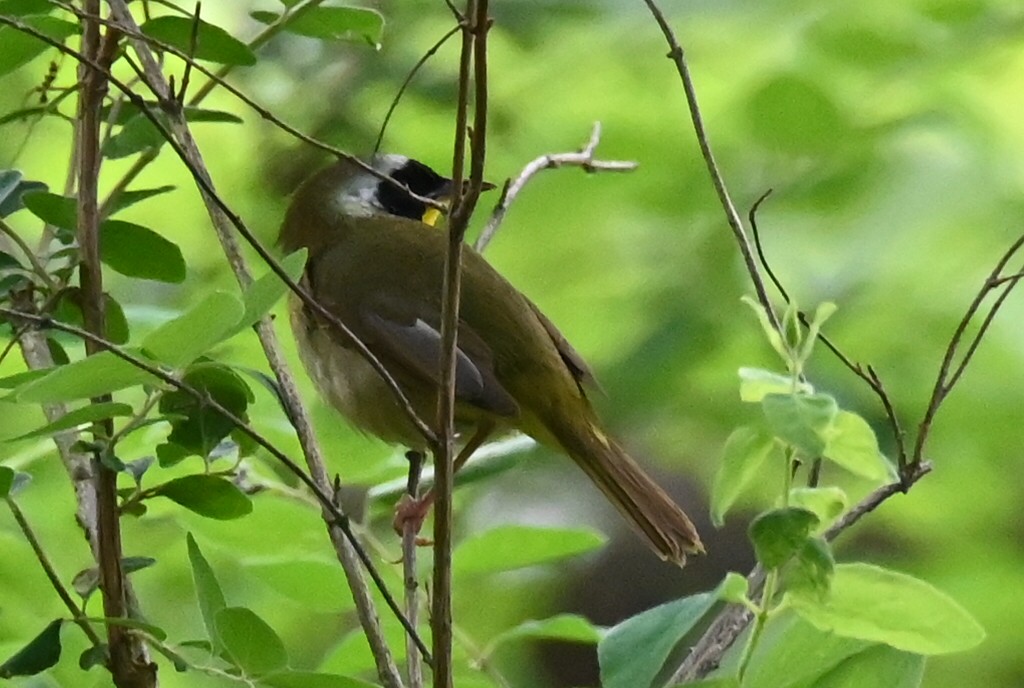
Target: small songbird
(376, 264)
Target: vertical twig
(127, 661)
(473, 58)
(414, 661)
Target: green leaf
(302, 580)
(68, 310)
(801, 420)
(773, 336)
(195, 425)
(779, 534)
(52, 209)
(128, 111)
(827, 503)
(878, 666)
(12, 190)
(794, 654)
(41, 653)
(251, 644)
(21, 8)
(745, 453)
(192, 334)
(208, 591)
(207, 495)
(880, 605)
(757, 383)
(262, 294)
(632, 653)
(568, 627)
(822, 313)
(511, 547)
(87, 581)
(77, 417)
(129, 198)
(19, 48)
(851, 443)
(332, 23)
(733, 588)
(812, 567)
(137, 251)
(6, 481)
(90, 377)
(212, 42)
(311, 679)
(138, 134)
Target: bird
(376, 262)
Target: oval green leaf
(249, 641)
(567, 627)
(209, 594)
(212, 42)
(332, 23)
(207, 495)
(801, 419)
(632, 653)
(745, 453)
(182, 340)
(262, 294)
(89, 377)
(879, 666)
(884, 606)
(779, 534)
(79, 416)
(41, 653)
(137, 251)
(851, 443)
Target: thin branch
(473, 59)
(678, 57)
(408, 80)
(414, 663)
(33, 259)
(583, 158)
(707, 653)
(51, 574)
(945, 381)
(338, 518)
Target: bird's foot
(410, 513)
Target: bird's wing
(414, 342)
(581, 372)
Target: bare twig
(678, 57)
(408, 80)
(473, 58)
(945, 380)
(583, 158)
(414, 663)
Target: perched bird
(377, 266)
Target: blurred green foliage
(890, 133)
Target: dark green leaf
(812, 567)
(251, 644)
(52, 209)
(208, 590)
(632, 653)
(801, 420)
(90, 377)
(778, 535)
(137, 251)
(880, 605)
(332, 23)
(511, 547)
(57, 352)
(21, 8)
(12, 189)
(6, 481)
(130, 198)
(212, 42)
(137, 135)
(745, 453)
(18, 379)
(197, 427)
(41, 653)
(207, 495)
(18, 48)
(79, 416)
(116, 324)
(129, 111)
(94, 656)
(196, 331)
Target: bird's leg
(414, 510)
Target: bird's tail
(647, 508)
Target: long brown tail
(647, 508)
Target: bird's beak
(444, 194)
